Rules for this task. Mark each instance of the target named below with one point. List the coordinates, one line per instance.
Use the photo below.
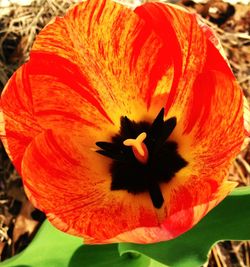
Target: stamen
(139, 148)
(151, 160)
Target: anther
(139, 148)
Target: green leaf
(49, 248)
(108, 256)
(53, 248)
(230, 220)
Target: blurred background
(21, 21)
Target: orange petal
(213, 125)
(207, 102)
(62, 162)
(18, 125)
(188, 211)
(186, 42)
(117, 51)
(209, 137)
(186, 215)
(73, 92)
(246, 117)
(48, 98)
(68, 93)
(205, 98)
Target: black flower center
(161, 164)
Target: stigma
(143, 157)
(139, 148)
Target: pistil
(142, 156)
(139, 148)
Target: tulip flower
(123, 123)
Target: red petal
(191, 202)
(63, 162)
(208, 105)
(124, 59)
(73, 92)
(185, 41)
(19, 126)
(214, 123)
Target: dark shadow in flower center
(163, 159)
